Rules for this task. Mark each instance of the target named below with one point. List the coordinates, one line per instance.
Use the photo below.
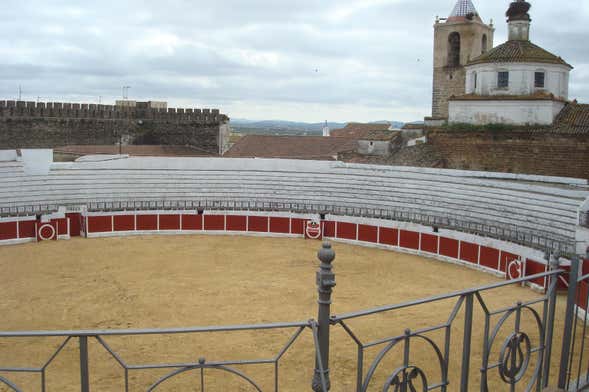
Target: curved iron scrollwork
(404, 380)
(516, 351)
(407, 377)
(203, 366)
(514, 358)
(9, 384)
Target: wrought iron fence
(515, 353)
(522, 359)
(173, 369)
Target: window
(539, 78)
(484, 44)
(503, 79)
(454, 50)
(475, 80)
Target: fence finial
(325, 280)
(326, 254)
(553, 262)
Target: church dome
(517, 51)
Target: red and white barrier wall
(494, 256)
(185, 222)
(15, 230)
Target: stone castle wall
(531, 152)
(30, 124)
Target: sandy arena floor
(179, 281)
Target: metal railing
(173, 369)
(521, 353)
(515, 354)
(532, 237)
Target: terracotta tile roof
(134, 150)
(413, 126)
(364, 131)
(518, 52)
(574, 118)
(290, 147)
(379, 135)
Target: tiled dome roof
(518, 51)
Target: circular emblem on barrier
(313, 230)
(514, 269)
(46, 232)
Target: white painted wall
(8, 155)
(521, 79)
(37, 162)
(582, 236)
(513, 112)
(416, 141)
(374, 147)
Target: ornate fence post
(468, 315)
(570, 318)
(325, 283)
(549, 328)
(84, 374)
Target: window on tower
(484, 44)
(454, 50)
(503, 79)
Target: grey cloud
(277, 55)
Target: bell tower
(457, 39)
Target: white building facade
(523, 79)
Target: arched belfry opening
(484, 44)
(454, 50)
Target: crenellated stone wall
(52, 124)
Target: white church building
(516, 83)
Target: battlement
(53, 124)
(33, 110)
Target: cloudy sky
(304, 60)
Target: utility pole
(126, 92)
(19, 92)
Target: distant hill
(278, 127)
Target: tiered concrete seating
(503, 205)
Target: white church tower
(326, 130)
